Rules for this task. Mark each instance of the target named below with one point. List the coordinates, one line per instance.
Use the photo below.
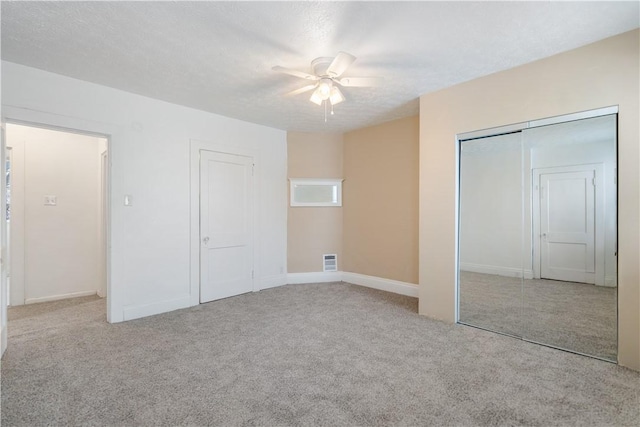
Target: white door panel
(226, 225)
(567, 224)
(569, 256)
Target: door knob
(205, 240)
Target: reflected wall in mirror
(538, 235)
(490, 257)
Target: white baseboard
(272, 281)
(611, 281)
(318, 277)
(136, 312)
(59, 297)
(496, 270)
(389, 285)
(395, 286)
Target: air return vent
(330, 262)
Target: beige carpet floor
(328, 354)
(574, 316)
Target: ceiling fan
(327, 79)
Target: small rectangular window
(315, 192)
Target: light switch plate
(50, 200)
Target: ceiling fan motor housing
(320, 66)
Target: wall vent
(329, 262)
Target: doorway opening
(57, 214)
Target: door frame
(104, 226)
(6, 259)
(3, 243)
(195, 146)
(33, 118)
(599, 219)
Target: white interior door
(226, 225)
(567, 224)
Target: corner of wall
(313, 231)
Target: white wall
(149, 252)
(491, 207)
(58, 245)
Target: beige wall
(380, 195)
(375, 233)
(313, 231)
(598, 75)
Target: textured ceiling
(217, 56)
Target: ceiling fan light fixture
(316, 98)
(324, 89)
(327, 73)
(336, 96)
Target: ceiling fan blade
(360, 81)
(340, 64)
(295, 73)
(301, 90)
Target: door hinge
(253, 169)
(252, 274)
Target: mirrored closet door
(491, 233)
(538, 235)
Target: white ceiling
(217, 56)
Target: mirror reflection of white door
(226, 225)
(568, 211)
